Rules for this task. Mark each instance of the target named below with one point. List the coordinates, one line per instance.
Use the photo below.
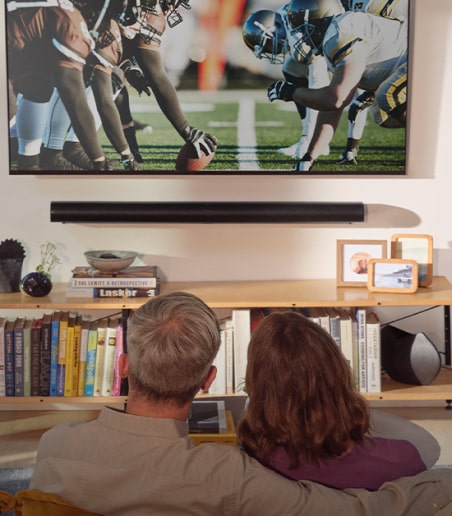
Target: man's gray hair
(172, 341)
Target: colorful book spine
(2, 356)
(35, 357)
(18, 333)
(117, 380)
(62, 336)
(100, 356)
(70, 352)
(109, 358)
(84, 335)
(28, 366)
(362, 349)
(91, 354)
(54, 340)
(111, 293)
(45, 355)
(9, 358)
(115, 282)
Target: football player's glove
(205, 142)
(281, 90)
(136, 78)
(361, 102)
(305, 164)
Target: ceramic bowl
(110, 261)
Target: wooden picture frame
(392, 275)
(418, 247)
(352, 259)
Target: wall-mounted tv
(309, 87)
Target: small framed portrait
(352, 260)
(393, 275)
(416, 247)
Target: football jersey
(381, 42)
(389, 8)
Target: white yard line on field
(246, 136)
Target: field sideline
(250, 129)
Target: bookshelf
(252, 294)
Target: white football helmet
(264, 33)
(309, 20)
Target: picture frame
(392, 275)
(418, 247)
(352, 258)
(228, 98)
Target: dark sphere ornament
(36, 284)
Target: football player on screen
(268, 34)
(48, 47)
(362, 50)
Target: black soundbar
(206, 212)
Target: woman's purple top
(367, 465)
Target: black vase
(36, 284)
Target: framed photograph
(418, 247)
(393, 275)
(220, 81)
(353, 257)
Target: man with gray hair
(142, 461)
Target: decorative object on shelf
(392, 275)
(207, 212)
(39, 283)
(409, 358)
(352, 260)
(110, 261)
(417, 247)
(12, 256)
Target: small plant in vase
(39, 283)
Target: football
(188, 161)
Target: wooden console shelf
(255, 294)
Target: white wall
(419, 202)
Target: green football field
(250, 129)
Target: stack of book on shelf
(138, 281)
(60, 354)
(358, 333)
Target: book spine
(54, 340)
(69, 365)
(109, 361)
(100, 356)
(362, 349)
(241, 322)
(144, 282)
(45, 359)
(29, 368)
(117, 380)
(373, 356)
(84, 335)
(18, 361)
(35, 366)
(91, 361)
(61, 371)
(9, 361)
(2, 358)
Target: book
(54, 340)
(45, 355)
(100, 356)
(62, 337)
(83, 355)
(320, 316)
(346, 335)
(362, 349)
(91, 353)
(241, 323)
(111, 292)
(27, 357)
(9, 357)
(117, 380)
(72, 355)
(335, 329)
(138, 276)
(35, 355)
(207, 417)
(18, 333)
(2, 356)
(109, 357)
(373, 342)
(219, 384)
